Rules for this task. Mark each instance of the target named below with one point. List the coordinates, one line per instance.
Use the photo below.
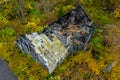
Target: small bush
(6, 33)
(104, 19)
(3, 21)
(61, 12)
(35, 13)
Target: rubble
(69, 33)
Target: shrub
(3, 21)
(35, 13)
(60, 12)
(6, 33)
(104, 19)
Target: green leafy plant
(60, 12)
(6, 33)
(48, 77)
(35, 13)
(96, 42)
(3, 21)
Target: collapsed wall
(69, 33)
(73, 29)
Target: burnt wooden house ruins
(69, 33)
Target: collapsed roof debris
(69, 33)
